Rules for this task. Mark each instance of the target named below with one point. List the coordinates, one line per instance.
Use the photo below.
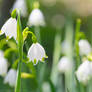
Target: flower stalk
(76, 41)
(20, 51)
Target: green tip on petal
(46, 56)
(7, 38)
(13, 14)
(0, 31)
(43, 59)
(35, 61)
(89, 57)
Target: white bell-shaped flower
(11, 77)
(36, 53)
(1, 54)
(36, 18)
(64, 65)
(84, 47)
(21, 5)
(3, 66)
(10, 28)
(84, 72)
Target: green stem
(79, 86)
(76, 42)
(37, 33)
(69, 76)
(56, 56)
(20, 51)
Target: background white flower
(11, 77)
(10, 28)
(36, 52)
(84, 47)
(65, 64)
(3, 66)
(21, 5)
(84, 72)
(1, 54)
(36, 18)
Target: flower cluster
(11, 29)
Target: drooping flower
(84, 47)
(21, 5)
(3, 66)
(36, 18)
(36, 53)
(11, 77)
(10, 28)
(64, 65)
(84, 72)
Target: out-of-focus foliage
(60, 17)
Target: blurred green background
(58, 13)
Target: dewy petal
(36, 52)
(3, 66)
(36, 18)
(10, 28)
(21, 5)
(11, 77)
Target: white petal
(84, 72)
(65, 64)
(36, 51)
(21, 5)
(1, 54)
(3, 66)
(10, 28)
(84, 47)
(46, 87)
(11, 77)
(36, 18)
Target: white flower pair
(10, 77)
(3, 64)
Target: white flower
(10, 28)
(84, 72)
(21, 5)
(11, 77)
(84, 47)
(1, 54)
(36, 18)
(46, 87)
(36, 53)
(3, 66)
(65, 64)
